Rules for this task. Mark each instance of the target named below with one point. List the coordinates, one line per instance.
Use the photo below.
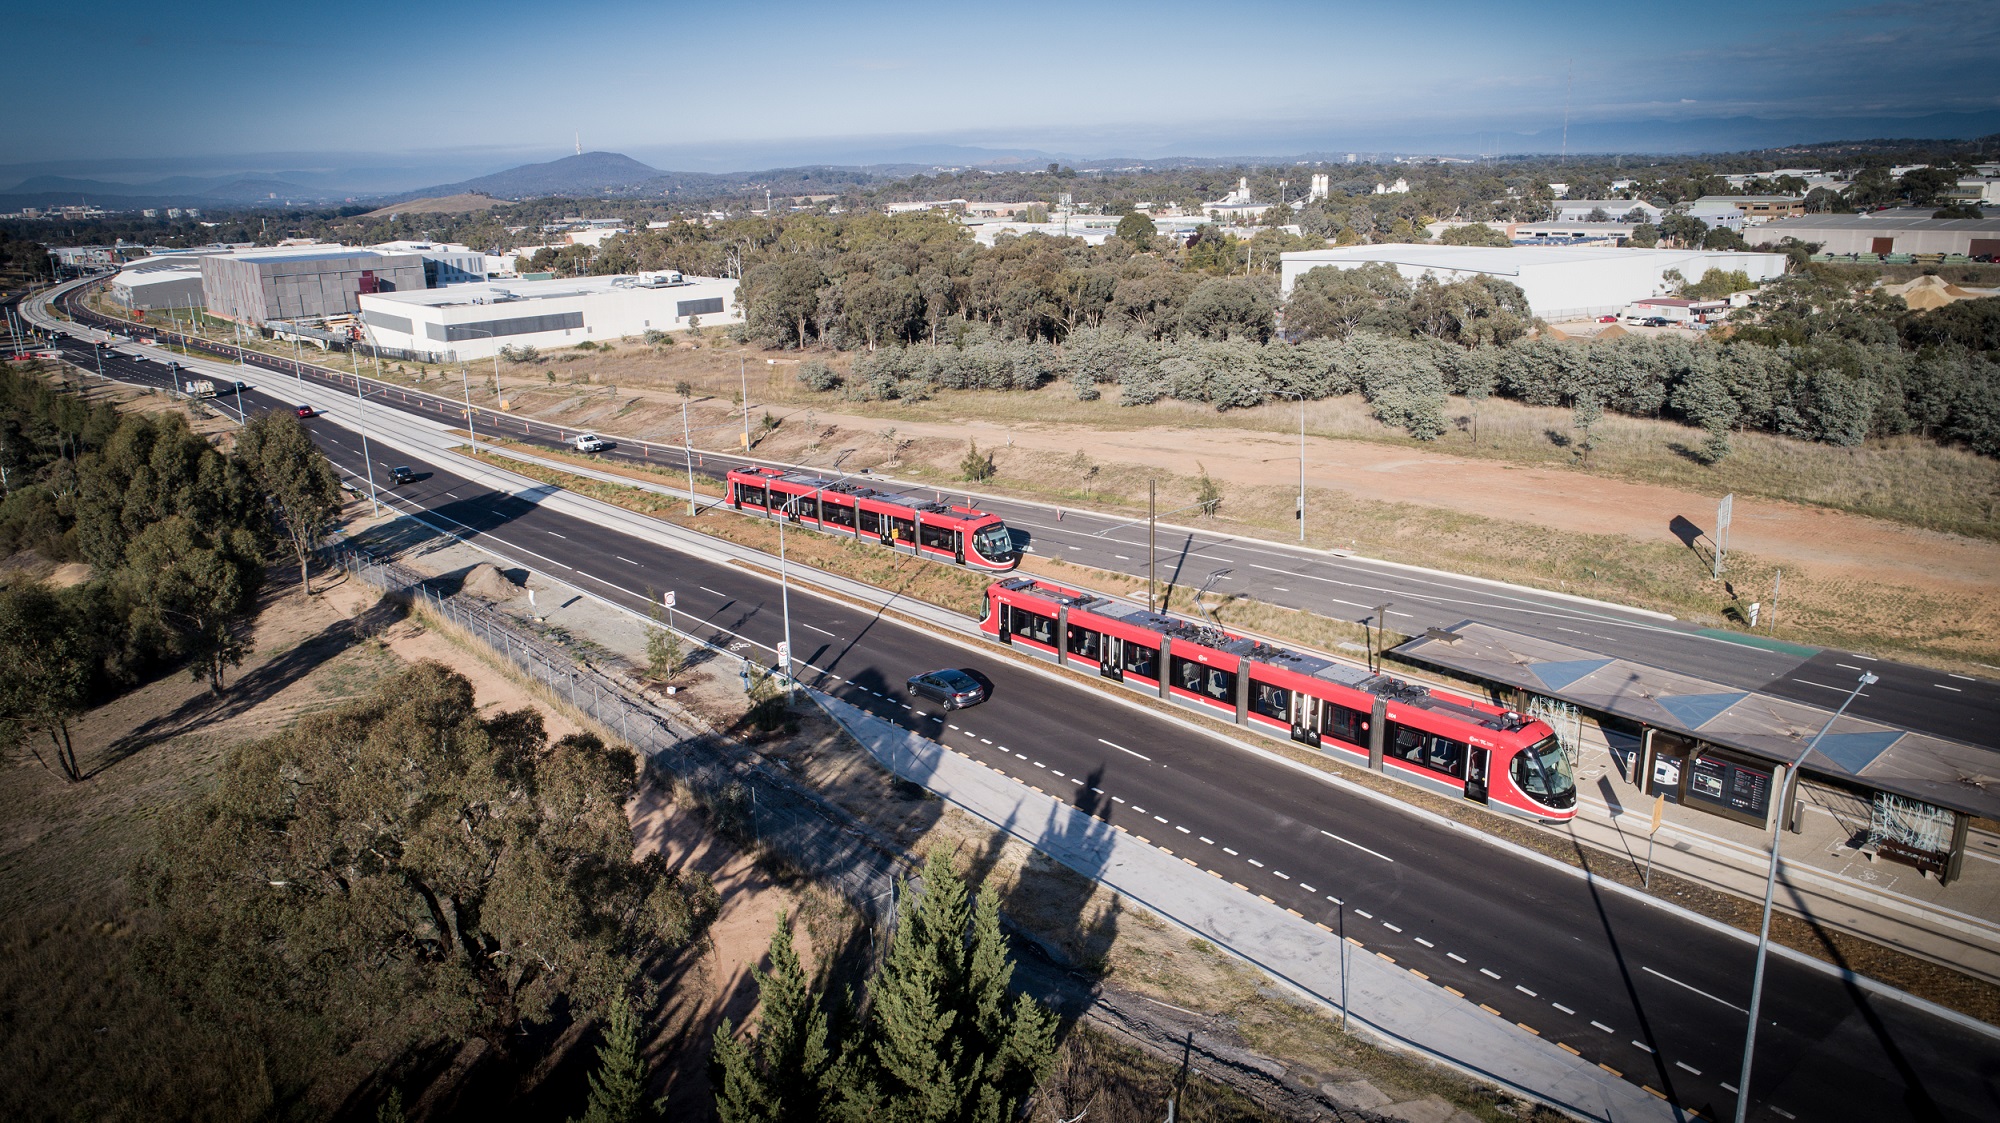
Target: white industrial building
(1882, 234)
(158, 283)
(1615, 210)
(445, 263)
(1561, 282)
(476, 320)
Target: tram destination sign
(1729, 786)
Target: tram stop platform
(1890, 834)
(1824, 872)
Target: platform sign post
(1722, 512)
(1652, 832)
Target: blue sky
(500, 79)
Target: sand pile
(487, 582)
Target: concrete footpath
(1382, 1000)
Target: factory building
(157, 283)
(1561, 282)
(303, 282)
(476, 320)
(1877, 234)
(445, 263)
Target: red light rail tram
(940, 531)
(1457, 746)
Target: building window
(707, 307)
(519, 325)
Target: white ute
(589, 442)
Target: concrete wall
(253, 288)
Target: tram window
(1084, 641)
(1272, 701)
(1199, 678)
(807, 507)
(1429, 750)
(938, 537)
(1141, 660)
(1029, 625)
(871, 523)
(902, 530)
(836, 514)
(750, 496)
(1344, 724)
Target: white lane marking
(1823, 686)
(1489, 973)
(1073, 780)
(1121, 557)
(1206, 839)
(821, 631)
(1424, 942)
(1056, 773)
(1779, 1110)
(1953, 689)
(1140, 809)
(706, 589)
(449, 495)
(564, 537)
(1526, 991)
(954, 727)
(1099, 791)
(1689, 1067)
(629, 561)
(1357, 846)
(1697, 990)
(1605, 1028)
(1117, 799)
(984, 741)
(1281, 873)
(1003, 749)
(1182, 829)
(1255, 862)
(1454, 955)
(1390, 927)
(1562, 1007)
(1076, 547)
(1964, 678)
(1279, 589)
(1231, 853)
(1334, 899)
(1643, 1045)
(1731, 1088)
(1038, 764)
(1847, 666)
(1123, 749)
(1161, 818)
(1366, 913)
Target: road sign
(784, 651)
(1659, 808)
(669, 598)
(1754, 607)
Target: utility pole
(687, 450)
(1784, 803)
(367, 460)
(1152, 526)
(465, 380)
(744, 374)
(1302, 470)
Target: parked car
(951, 689)
(589, 442)
(401, 474)
(1607, 319)
(306, 411)
(1656, 321)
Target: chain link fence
(746, 797)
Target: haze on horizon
(699, 86)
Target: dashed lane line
(1455, 956)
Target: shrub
(816, 375)
(976, 466)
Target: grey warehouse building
(305, 282)
(1866, 233)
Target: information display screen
(1727, 784)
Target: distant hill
(448, 204)
(591, 173)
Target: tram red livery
(1447, 743)
(938, 530)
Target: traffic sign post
(1652, 832)
(669, 599)
(1722, 512)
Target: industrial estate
(1417, 634)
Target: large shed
(1561, 282)
(1881, 234)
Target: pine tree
(780, 1076)
(617, 1088)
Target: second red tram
(941, 531)
(1450, 744)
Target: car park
(952, 689)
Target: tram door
(1305, 718)
(1475, 773)
(1111, 659)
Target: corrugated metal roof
(1876, 222)
(1933, 769)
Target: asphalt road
(1651, 996)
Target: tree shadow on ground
(262, 682)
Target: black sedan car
(951, 689)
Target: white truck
(589, 442)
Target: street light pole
(1770, 890)
(687, 451)
(1302, 470)
(1152, 526)
(743, 373)
(465, 380)
(367, 460)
